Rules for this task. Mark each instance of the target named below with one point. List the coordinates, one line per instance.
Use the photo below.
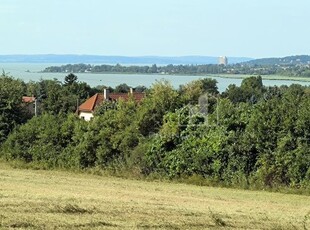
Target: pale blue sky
(251, 28)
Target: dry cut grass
(61, 200)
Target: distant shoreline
(134, 79)
(230, 76)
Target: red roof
(116, 96)
(90, 104)
(26, 99)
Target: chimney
(131, 90)
(106, 94)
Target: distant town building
(223, 60)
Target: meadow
(36, 199)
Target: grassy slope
(62, 200)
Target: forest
(249, 136)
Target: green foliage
(108, 138)
(288, 66)
(122, 88)
(57, 98)
(209, 86)
(191, 92)
(12, 112)
(161, 99)
(264, 145)
(249, 136)
(185, 146)
(70, 79)
(41, 140)
(251, 90)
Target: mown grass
(36, 199)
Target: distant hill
(298, 59)
(147, 60)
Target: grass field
(35, 199)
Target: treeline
(154, 69)
(292, 70)
(53, 97)
(249, 136)
(288, 60)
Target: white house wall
(86, 116)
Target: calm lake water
(30, 72)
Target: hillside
(289, 60)
(34, 199)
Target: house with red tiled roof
(26, 99)
(86, 110)
(30, 104)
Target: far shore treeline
(249, 136)
(291, 67)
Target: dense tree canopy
(248, 136)
(11, 111)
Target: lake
(30, 72)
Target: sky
(240, 28)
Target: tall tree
(11, 110)
(70, 79)
(122, 88)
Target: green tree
(122, 88)
(161, 99)
(70, 79)
(191, 92)
(209, 86)
(251, 90)
(153, 69)
(56, 98)
(109, 137)
(11, 111)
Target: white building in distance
(223, 60)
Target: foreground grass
(38, 199)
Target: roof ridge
(90, 104)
